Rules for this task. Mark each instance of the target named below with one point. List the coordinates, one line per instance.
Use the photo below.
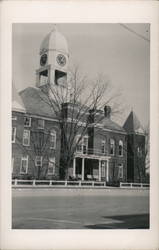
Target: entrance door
(103, 170)
(88, 171)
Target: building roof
(54, 41)
(132, 124)
(33, 101)
(36, 102)
(17, 102)
(107, 123)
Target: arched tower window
(103, 149)
(112, 147)
(120, 148)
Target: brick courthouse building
(107, 152)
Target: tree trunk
(38, 174)
(65, 163)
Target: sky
(121, 52)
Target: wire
(132, 31)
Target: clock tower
(53, 61)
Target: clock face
(61, 59)
(43, 59)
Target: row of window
(38, 163)
(51, 166)
(112, 147)
(26, 137)
(27, 122)
(82, 146)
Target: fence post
(120, 184)
(93, 183)
(80, 183)
(131, 184)
(50, 183)
(33, 182)
(65, 183)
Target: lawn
(80, 209)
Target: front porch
(91, 167)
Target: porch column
(74, 167)
(99, 176)
(107, 174)
(82, 169)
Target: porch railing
(92, 151)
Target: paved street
(80, 209)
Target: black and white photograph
(80, 126)
(79, 112)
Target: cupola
(53, 61)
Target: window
(24, 165)
(139, 151)
(120, 171)
(82, 145)
(53, 139)
(51, 167)
(27, 121)
(38, 161)
(26, 137)
(103, 147)
(85, 144)
(13, 134)
(41, 123)
(120, 148)
(112, 147)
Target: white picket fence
(53, 183)
(134, 185)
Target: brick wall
(136, 162)
(18, 150)
(115, 159)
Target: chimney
(107, 111)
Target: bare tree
(147, 147)
(40, 146)
(73, 106)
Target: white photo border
(77, 12)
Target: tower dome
(54, 41)
(53, 61)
